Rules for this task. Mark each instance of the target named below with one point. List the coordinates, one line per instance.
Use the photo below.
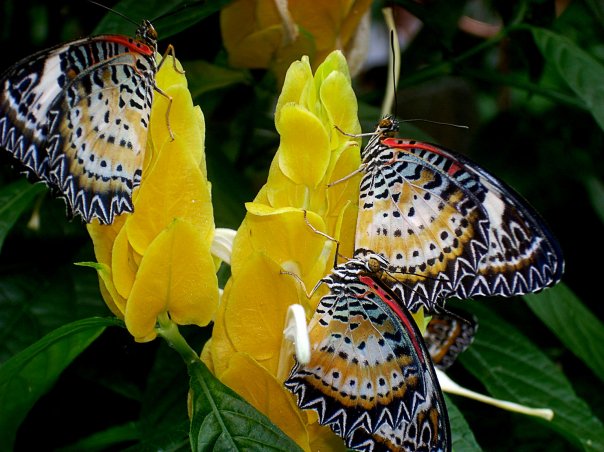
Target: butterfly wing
(448, 228)
(447, 335)
(369, 371)
(76, 116)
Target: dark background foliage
(530, 122)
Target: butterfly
(370, 377)
(76, 117)
(446, 336)
(446, 227)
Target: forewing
(430, 228)
(449, 229)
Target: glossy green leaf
(223, 421)
(15, 198)
(168, 18)
(29, 374)
(203, 76)
(164, 421)
(461, 436)
(105, 439)
(582, 72)
(512, 368)
(595, 190)
(577, 328)
(31, 306)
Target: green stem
(169, 331)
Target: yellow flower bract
(275, 237)
(157, 260)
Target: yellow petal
(251, 381)
(281, 191)
(123, 266)
(298, 79)
(323, 438)
(255, 313)
(283, 235)
(174, 188)
(304, 149)
(176, 274)
(103, 237)
(340, 104)
(221, 348)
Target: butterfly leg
(170, 51)
(169, 98)
(316, 231)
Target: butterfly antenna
(459, 126)
(123, 16)
(394, 78)
(393, 63)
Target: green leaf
(203, 76)
(595, 190)
(582, 72)
(14, 199)
(461, 435)
(577, 328)
(105, 439)
(164, 422)
(169, 17)
(32, 305)
(31, 373)
(223, 421)
(512, 368)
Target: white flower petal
(448, 385)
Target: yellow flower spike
(248, 328)
(304, 151)
(252, 381)
(156, 261)
(256, 308)
(176, 275)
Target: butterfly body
(76, 117)
(370, 377)
(447, 227)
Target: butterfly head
(146, 34)
(386, 128)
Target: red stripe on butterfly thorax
(397, 143)
(130, 43)
(396, 307)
